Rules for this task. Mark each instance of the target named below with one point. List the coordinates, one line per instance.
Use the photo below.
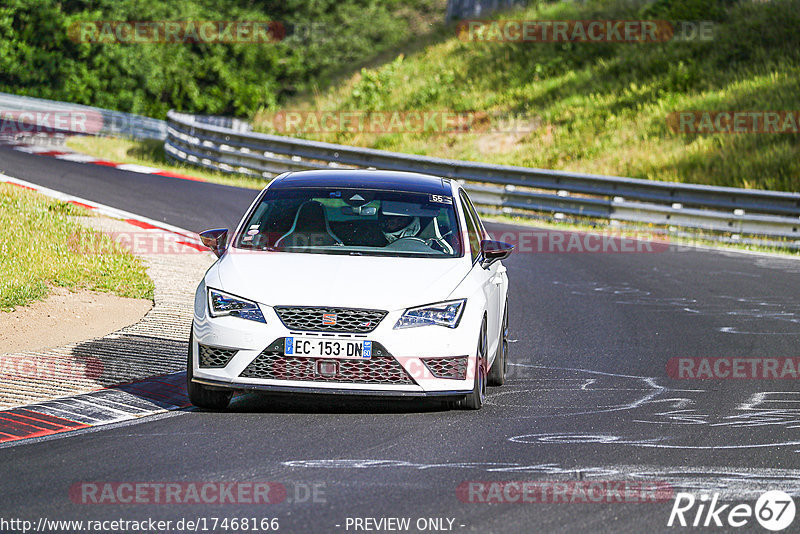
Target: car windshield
(355, 222)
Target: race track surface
(588, 398)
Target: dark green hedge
(38, 57)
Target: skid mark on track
(732, 483)
(751, 312)
(659, 416)
(658, 443)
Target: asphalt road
(588, 398)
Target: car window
(357, 222)
(474, 212)
(473, 229)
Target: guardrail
(105, 122)
(501, 188)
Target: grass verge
(596, 107)
(39, 250)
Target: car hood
(294, 279)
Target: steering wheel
(412, 237)
(410, 244)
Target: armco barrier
(111, 123)
(502, 188)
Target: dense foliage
(40, 57)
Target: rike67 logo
(774, 510)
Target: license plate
(328, 348)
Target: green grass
(599, 108)
(151, 153)
(43, 246)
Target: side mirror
(216, 240)
(492, 251)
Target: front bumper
(411, 350)
(309, 390)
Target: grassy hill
(598, 108)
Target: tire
(199, 395)
(497, 373)
(475, 400)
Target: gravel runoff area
(155, 345)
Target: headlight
(221, 304)
(442, 314)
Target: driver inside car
(396, 225)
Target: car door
(490, 279)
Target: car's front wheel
(497, 374)
(476, 398)
(199, 395)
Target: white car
(352, 282)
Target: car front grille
(381, 368)
(214, 357)
(321, 319)
(451, 367)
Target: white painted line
(63, 413)
(34, 149)
(102, 407)
(81, 158)
(124, 407)
(137, 168)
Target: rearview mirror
(216, 240)
(364, 211)
(492, 251)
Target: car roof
(365, 179)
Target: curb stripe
(76, 157)
(123, 402)
(102, 162)
(142, 224)
(81, 204)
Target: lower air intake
(454, 367)
(215, 357)
(381, 368)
